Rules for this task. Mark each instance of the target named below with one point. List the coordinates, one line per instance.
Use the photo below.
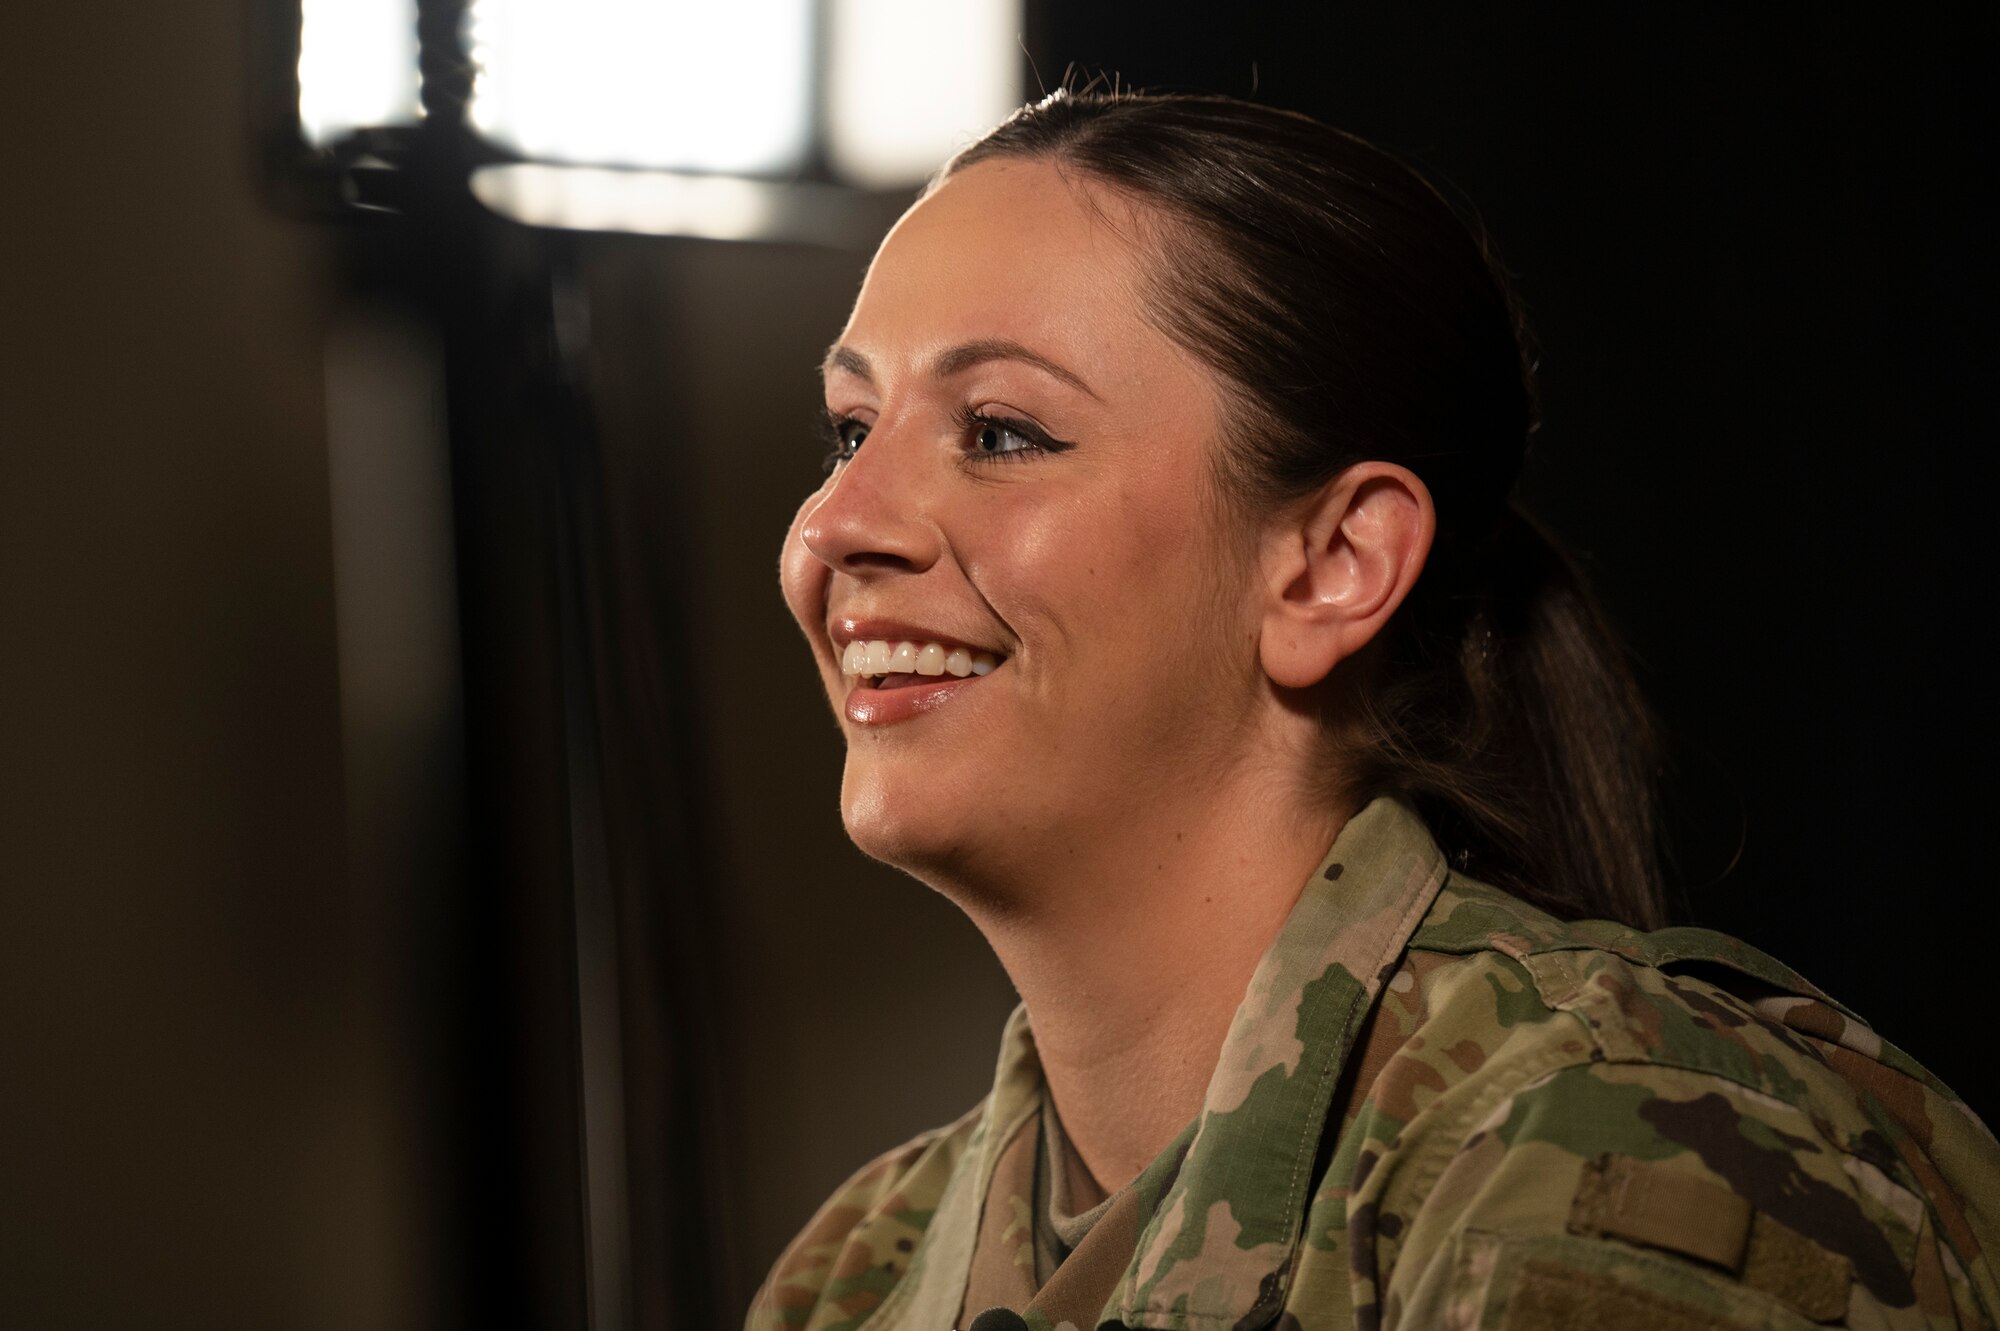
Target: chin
(907, 825)
(886, 823)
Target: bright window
(357, 66)
(722, 86)
(909, 82)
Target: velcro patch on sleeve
(1551, 1297)
(1792, 1268)
(1658, 1207)
(1662, 1208)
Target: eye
(848, 434)
(843, 436)
(993, 437)
(990, 436)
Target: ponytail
(1505, 712)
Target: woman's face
(1031, 487)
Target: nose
(872, 516)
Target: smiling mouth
(884, 664)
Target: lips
(900, 671)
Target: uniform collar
(1218, 1249)
(1222, 1208)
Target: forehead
(1016, 249)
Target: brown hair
(1352, 314)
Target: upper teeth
(882, 657)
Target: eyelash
(968, 422)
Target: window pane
(357, 66)
(667, 83)
(912, 81)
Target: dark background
(281, 1010)
(1752, 247)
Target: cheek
(1171, 604)
(1051, 570)
(1120, 572)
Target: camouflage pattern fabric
(1441, 1108)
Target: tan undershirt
(1069, 1200)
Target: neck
(1132, 958)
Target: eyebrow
(958, 359)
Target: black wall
(1751, 242)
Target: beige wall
(199, 1118)
(207, 1108)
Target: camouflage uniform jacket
(1440, 1107)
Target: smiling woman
(1181, 631)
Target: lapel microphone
(999, 1319)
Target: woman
(1181, 631)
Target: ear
(1336, 566)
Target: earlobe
(1337, 567)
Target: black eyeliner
(968, 419)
